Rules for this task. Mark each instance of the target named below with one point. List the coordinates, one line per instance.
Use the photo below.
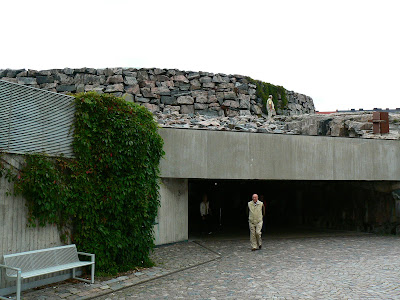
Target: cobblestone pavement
(168, 259)
(336, 267)
(356, 266)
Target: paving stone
(110, 281)
(65, 295)
(73, 290)
(355, 266)
(105, 287)
(122, 278)
(338, 267)
(116, 286)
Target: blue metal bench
(30, 264)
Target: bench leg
(18, 293)
(92, 277)
(19, 285)
(82, 279)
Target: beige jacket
(255, 211)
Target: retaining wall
(163, 89)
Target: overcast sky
(343, 54)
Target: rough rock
(185, 100)
(153, 84)
(187, 109)
(119, 87)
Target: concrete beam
(239, 155)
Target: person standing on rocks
(270, 107)
(256, 212)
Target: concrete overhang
(208, 154)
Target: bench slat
(40, 250)
(25, 275)
(41, 260)
(44, 259)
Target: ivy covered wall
(105, 199)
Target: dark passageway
(294, 206)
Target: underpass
(293, 206)
(322, 183)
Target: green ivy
(264, 89)
(106, 198)
(6, 172)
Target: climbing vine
(105, 199)
(264, 89)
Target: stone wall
(299, 104)
(163, 90)
(352, 125)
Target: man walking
(256, 211)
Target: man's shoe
(254, 249)
(259, 247)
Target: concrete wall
(237, 155)
(172, 216)
(15, 236)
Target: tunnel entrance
(295, 205)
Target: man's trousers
(255, 234)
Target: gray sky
(343, 54)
